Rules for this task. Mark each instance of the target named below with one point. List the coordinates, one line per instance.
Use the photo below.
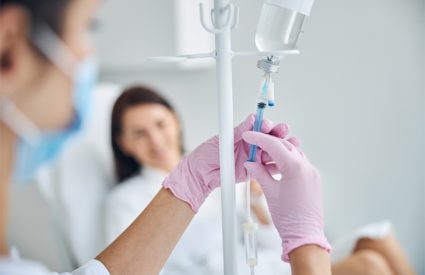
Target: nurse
(46, 74)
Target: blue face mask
(30, 157)
(31, 153)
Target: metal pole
(227, 163)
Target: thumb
(294, 141)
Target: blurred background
(355, 96)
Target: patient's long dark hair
(125, 165)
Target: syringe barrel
(257, 128)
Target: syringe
(266, 98)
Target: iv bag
(280, 24)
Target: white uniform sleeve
(94, 267)
(14, 265)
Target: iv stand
(225, 105)
(224, 18)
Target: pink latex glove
(294, 201)
(199, 172)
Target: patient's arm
(146, 245)
(310, 260)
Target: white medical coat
(14, 265)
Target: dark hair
(50, 12)
(126, 166)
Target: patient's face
(151, 135)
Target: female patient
(147, 143)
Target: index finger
(270, 144)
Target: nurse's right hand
(199, 172)
(295, 200)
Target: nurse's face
(39, 89)
(151, 135)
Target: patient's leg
(389, 248)
(363, 262)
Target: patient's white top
(128, 199)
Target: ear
(13, 33)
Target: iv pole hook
(231, 14)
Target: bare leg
(363, 262)
(390, 249)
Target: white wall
(355, 98)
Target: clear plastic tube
(250, 244)
(249, 231)
(266, 98)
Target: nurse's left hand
(199, 172)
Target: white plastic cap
(301, 6)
